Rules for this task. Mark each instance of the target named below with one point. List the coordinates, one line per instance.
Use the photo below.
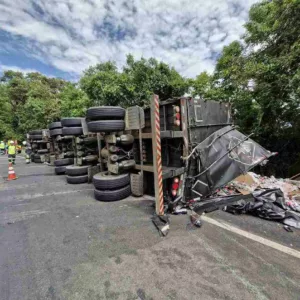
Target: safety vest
(2, 146)
(12, 150)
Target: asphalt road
(57, 242)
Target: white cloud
(74, 34)
(16, 69)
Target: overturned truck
(196, 150)
(179, 150)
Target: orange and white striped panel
(158, 161)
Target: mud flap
(162, 223)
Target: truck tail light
(174, 193)
(176, 110)
(175, 186)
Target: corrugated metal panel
(206, 117)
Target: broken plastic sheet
(222, 157)
(267, 204)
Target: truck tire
(72, 131)
(76, 170)
(55, 132)
(38, 160)
(77, 179)
(71, 122)
(113, 195)
(55, 125)
(43, 151)
(60, 170)
(36, 137)
(106, 125)
(104, 181)
(105, 113)
(34, 132)
(63, 162)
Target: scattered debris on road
(196, 219)
(269, 198)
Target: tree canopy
(32, 101)
(260, 76)
(134, 84)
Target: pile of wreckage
(219, 178)
(265, 197)
(269, 198)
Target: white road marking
(253, 237)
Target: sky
(63, 38)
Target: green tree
(151, 76)
(17, 87)
(260, 77)
(42, 106)
(104, 85)
(28, 102)
(6, 114)
(134, 85)
(202, 85)
(73, 101)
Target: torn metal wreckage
(219, 177)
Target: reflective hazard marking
(157, 161)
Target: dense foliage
(259, 76)
(32, 101)
(134, 85)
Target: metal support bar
(184, 127)
(74, 144)
(165, 119)
(156, 148)
(218, 202)
(163, 134)
(141, 149)
(99, 151)
(211, 125)
(170, 101)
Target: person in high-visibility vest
(11, 152)
(2, 147)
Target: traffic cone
(11, 172)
